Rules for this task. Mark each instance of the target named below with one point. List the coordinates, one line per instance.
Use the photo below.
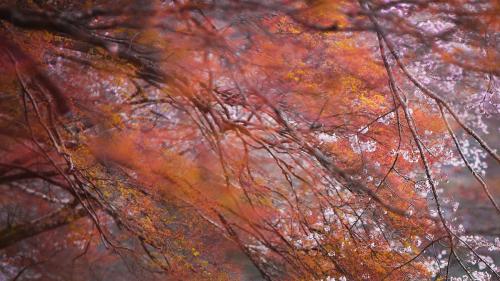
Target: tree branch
(63, 216)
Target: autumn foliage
(246, 140)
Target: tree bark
(63, 216)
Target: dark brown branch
(56, 23)
(66, 215)
(26, 175)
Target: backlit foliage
(212, 140)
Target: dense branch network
(306, 136)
